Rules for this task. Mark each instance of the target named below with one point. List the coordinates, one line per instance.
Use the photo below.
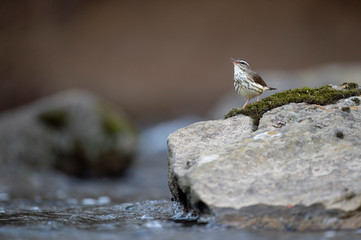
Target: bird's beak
(234, 61)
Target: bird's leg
(258, 97)
(246, 103)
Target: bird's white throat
(239, 74)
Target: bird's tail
(271, 88)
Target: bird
(247, 83)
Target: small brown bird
(248, 83)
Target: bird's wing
(257, 78)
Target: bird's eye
(243, 62)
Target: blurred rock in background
(73, 131)
(162, 59)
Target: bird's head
(240, 63)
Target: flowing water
(138, 220)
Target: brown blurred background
(160, 59)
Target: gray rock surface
(300, 157)
(74, 131)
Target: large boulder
(74, 131)
(300, 170)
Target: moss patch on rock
(321, 96)
(356, 101)
(109, 163)
(56, 118)
(112, 122)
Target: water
(137, 220)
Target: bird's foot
(246, 103)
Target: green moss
(345, 109)
(340, 134)
(56, 119)
(356, 100)
(320, 96)
(112, 122)
(349, 86)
